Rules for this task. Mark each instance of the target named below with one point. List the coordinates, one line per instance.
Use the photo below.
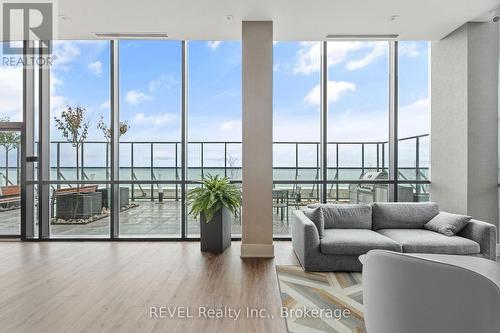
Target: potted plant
(215, 202)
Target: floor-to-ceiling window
(150, 84)
(150, 138)
(296, 129)
(79, 98)
(414, 120)
(214, 116)
(349, 84)
(358, 120)
(11, 106)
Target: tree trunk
(77, 169)
(6, 167)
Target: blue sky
(150, 79)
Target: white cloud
(166, 80)
(214, 44)
(105, 105)
(379, 50)
(409, 49)
(308, 56)
(231, 126)
(336, 89)
(65, 52)
(415, 118)
(11, 92)
(95, 67)
(57, 102)
(154, 119)
(136, 97)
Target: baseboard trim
(257, 251)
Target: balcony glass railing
(144, 165)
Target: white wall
(464, 121)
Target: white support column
(257, 210)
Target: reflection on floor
(149, 219)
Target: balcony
(150, 170)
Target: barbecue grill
(368, 193)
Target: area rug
(321, 302)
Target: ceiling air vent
(130, 35)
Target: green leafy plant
(214, 194)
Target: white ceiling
(293, 19)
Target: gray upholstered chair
(414, 293)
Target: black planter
(215, 236)
(73, 206)
(106, 197)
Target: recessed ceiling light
(228, 18)
(362, 37)
(130, 35)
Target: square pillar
(257, 164)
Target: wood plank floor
(110, 286)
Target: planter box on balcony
(74, 206)
(106, 197)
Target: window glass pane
(10, 184)
(80, 87)
(11, 85)
(358, 95)
(150, 116)
(214, 114)
(414, 111)
(79, 211)
(296, 128)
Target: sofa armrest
(483, 233)
(305, 237)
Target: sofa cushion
(399, 215)
(355, 242)
(426, 241)
(316, 216)
(346, 216)
(447, 224)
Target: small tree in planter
(9, 141)
(106, 131)
(215, 201)
(74, 129)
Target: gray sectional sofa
(348, 231)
